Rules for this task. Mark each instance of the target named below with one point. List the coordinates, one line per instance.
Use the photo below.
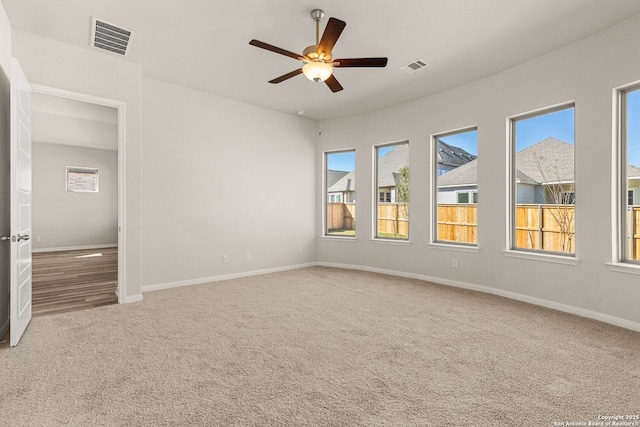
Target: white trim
(130, 299)
(121, 106)
(75, 248)
(446, 246)
(339, 238)
(389, 241)
(582, 312)
(539, 256)
(620, 267)
(203, 280)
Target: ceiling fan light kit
(317, 71)
(318, 63)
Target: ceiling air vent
(110, 37)
(414, 66)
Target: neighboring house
(451, 157)
(389, 167)
(547, 164)
(633, 187)
(333, 176)
(343, 190)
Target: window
(82, 180)
(629, 175)
(340, 185)
(543, 181)
(455, 154)
(392, 178)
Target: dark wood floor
(74, 280)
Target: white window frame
(621, 181)
(376, 192)
(436, 172)
(511, 187)
(327, 197)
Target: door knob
(25, 237)
(5, 238)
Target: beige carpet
(315, 347)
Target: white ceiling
(203, 44)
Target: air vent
(414, 66)
(110, 37)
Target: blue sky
(343, 161)
(559, 124)
(468, 141)
(633, 128)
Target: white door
(20, 288)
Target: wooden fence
(546, 227)
(392, 220)
(537, 226)
(341, 216)
(458, 223)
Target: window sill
(453, 247)
(556, 259)
(339, 238)
(390, 242)
(621, 267)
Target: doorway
(78, 183)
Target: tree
(562, 197)
(402, 191)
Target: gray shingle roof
(547, 161)
(391, 163)
(334, 176)
(466, 174)
(346, 183)
(633, 171)
(451, 155)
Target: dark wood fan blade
(286, 76)
(267, 46)
(360, 62)
(331, 33)
(333, 84)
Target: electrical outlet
(37, 238)
(247, 256)
(300, 251)
(454, 263)
(225, 258)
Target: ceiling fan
(318, 63)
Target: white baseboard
(132, 298)
(202, 280)
(76, 248)
(582, 312)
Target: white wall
(5, 56)
(60, 65)
(585, 73)
(223, 178)
(63, 219)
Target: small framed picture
(82, 180)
